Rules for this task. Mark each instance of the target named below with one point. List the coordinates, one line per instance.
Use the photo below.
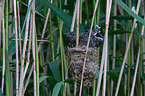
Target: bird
(98, 36)
(71, 37)
(83, 39)
(95, 40)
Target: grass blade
(58, 86)
(55, 70)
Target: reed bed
(49, 48)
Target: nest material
(76, 60)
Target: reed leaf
(58, 86)
(55, 70)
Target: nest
(75, 63)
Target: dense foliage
(42, 49)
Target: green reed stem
(37, 64)
(51, 36)
(61, 46)
(96, 22)
(87, 12)
(129, 54)
(42, 74)
(1, 11)
(8, 81)
(95, 18)
(80, 11)
(141, 57)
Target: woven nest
(75, 64)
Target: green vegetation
(35, 58)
